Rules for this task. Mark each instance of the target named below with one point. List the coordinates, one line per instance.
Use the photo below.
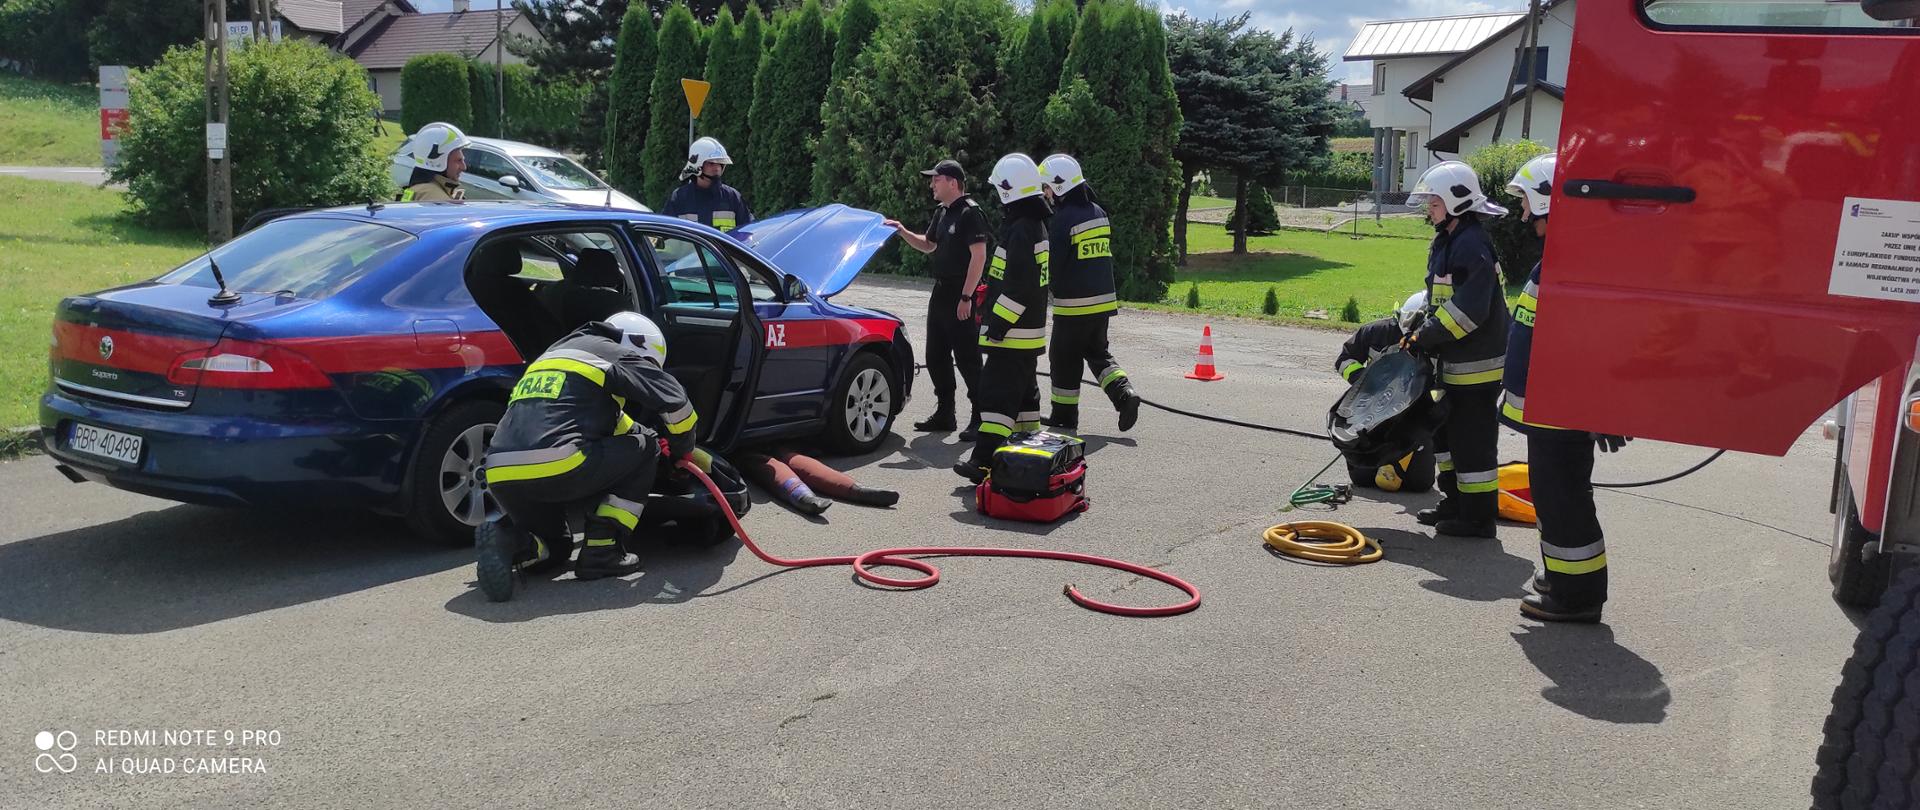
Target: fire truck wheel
(1858, 571)
(1870, 753)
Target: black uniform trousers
(1416, 476)
(615, 477)
(952, 343)
(1467, 449)
(1572, 548)
(1076, 340)
(1009, 400)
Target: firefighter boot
(604, 558)
(1129, 406)
(940, 421)
(973, 428)
(1548, 609)
(1433, 515)
(1065, 418)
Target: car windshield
(305, 258)
(555, 172)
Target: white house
(1439, 84)
(392, 32)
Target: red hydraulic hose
(898, 557)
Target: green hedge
(435, 87)
(299, 135)
(534, 111)
(1513, 241)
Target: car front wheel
(862, 410)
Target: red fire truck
(1736, 248)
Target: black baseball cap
(947, 168)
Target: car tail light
(243, 364)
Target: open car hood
(825, 247)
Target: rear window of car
(304, 258)
(1840, 16)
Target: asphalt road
(714, 680)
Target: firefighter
(581, 425)
(1466, 331)
(957, 238)
(439, 157)
(1013, 330)
(701, 196)
(1573, 551)
(1414, 472)
(1083, 297)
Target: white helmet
(1534, 183)
(1455, 185)
(430, 146)
(1415, 304)
(1061, 173)
(1015, 177)
(641, 333)
(704, 151)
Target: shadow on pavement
(674, 572)
(1474, 569)
(185, 566)
(1593, 676)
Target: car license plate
(104, 443)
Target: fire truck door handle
(1610, 190)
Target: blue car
(364, 354)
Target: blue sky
(1331, 22)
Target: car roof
(515, 148)
(422, 218)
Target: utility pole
(1533, 53)
(499, 66)
(260, 13)
(219, 177)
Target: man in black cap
(957, 239)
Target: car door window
(487, 165)
(691, 274)
(763, 282)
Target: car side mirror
(1890, 10)
(796, 289)
(511, 182)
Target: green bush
(1262, 218)
(855, 21)
(733, 59)
(785, 118)
(1193, 296)
(1342, 170)
(1351, 312)
(665, 151)
(629, 99)
(1271, 306)
(536, 112)
(435, 87)
(1513, 241)
(299, 134)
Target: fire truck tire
(1858, 571)
(1869, 755)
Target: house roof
(1356, 94)
(1430, 36)
(1449, 141)
(357, 10)
(402, 38)
(318, 16)
(1422, 88)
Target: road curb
(18, 442)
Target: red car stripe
(807, 334)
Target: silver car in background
(511, 170)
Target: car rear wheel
(1871, 742)
(448, 499)
(862, 410)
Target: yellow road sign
(696, 91)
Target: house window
(1379, 78)
(1539, 65)
(1413, 150)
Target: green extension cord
(1311, 493)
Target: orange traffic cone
(1203, 367)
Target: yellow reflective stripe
(1446, 466)
(1044, 257)
(1065, 399)
(726, 223)
(406, 196)
(1014, 343)
(1030, 426)
(599, 542)
(1028, 451)
(1527, 301)
(1478, 486)
(626, 518)
(598, 376)
(1578, 567)
(1446, 320)
(528, 472)
(1091, 309)
(623, 425)
(1002, 311)
(683, 425)
(1475, 378)
(997, 430)
(1102, 231)
(1350, 368)
(1108, 378)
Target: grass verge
(48, 124)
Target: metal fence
(1354, 211)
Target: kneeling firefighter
(580, 426)
(1466, 331)
(1083, 296)
(1414, 472)
(1573, 550)
(1013, 330)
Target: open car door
(697, 297)
(1735, 240)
